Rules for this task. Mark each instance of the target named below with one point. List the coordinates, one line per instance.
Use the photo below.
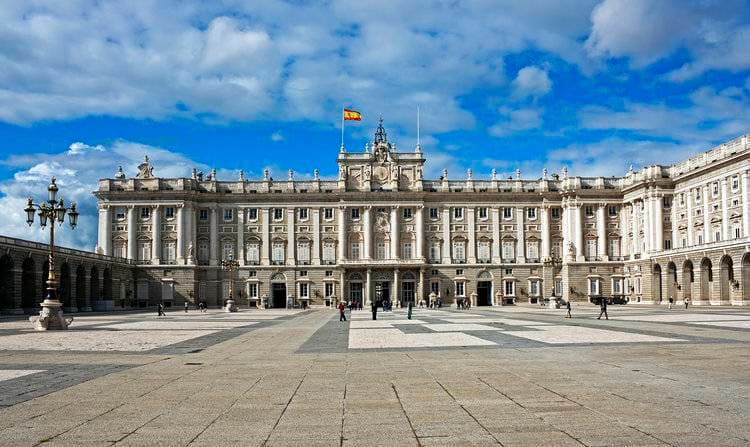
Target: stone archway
(745, 277)
(687, 279)
(672, 281)
(726, 279)
(94, 285)
(656, 284)
(707, 277)
(79, 300)
(6, 283)
(278, 296)
(64, 285)
(107, 284)
(28, 286)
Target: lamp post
(230, 265)
(54, 210)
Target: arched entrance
(28, 286)
(79, 300)
(64, 291)
(484, 289)
(687, 279)
(707, 277)
(726, 278)
(408, 293)
(356, 289)
(745, 277)
(107, 289)
(94, 285)
(6, 283)
(278, 291)
(672, 281)
(656, 284)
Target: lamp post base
(51, 317)
(230, 306)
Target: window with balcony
(381, 249)
(459, 251)
(613, 249)
(532, 250)
(329, 252)
(203, 251)
(483, 251)
(277, 252)
(303, 252)
(509, 250)
(406, 250)
(434, 251)
(355, 250)
(534, 288)
(590, 249)
(253, 253)
(227, 251)
(144, 251)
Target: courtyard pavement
(510, 376)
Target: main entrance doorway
(484, 293)
(278, 295)
(382, 291)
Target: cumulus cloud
(276, 136)
(77, 170)
(531, 81)
(516, 120)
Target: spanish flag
(352, 115)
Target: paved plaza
(510, 376)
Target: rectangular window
(616, 286)
(145, 212)
(507, 213)
(588, 210)
(303, 289)
(302, 213)
(303, 252)
(169, 212)
(228, 215)
(144, 251)
(737, 232)
(458, 213)
(406, 213)
(715, 189)
(735, 183)
(700, 239)
(433, 213)
(508, 272)
(253, 252)
(594, 288)
(381, 250)
(510, 289)
(328, 213)
(558, 287)
(355, 213)
(203, 215)
(277, 252)
(252, 214)
(698, 195)
(355, 250)
(406, 251)
(682, 199)
(667, 244)
(532, 250)
(534, 287)
(203, 251)
(483, 213)
(435, 287)
(666, 202)
(278, 213)
(460, 289)
(121, 250)
(717, 236)
(509, 250)
(329, 252)
(435, 251)
(555, 213)
(484, 251)
(591, 249)
(119, 213)
(614, 248)
(303, 273)
(328, 290)
(252, 290)
(459, 252)
(227, 251)
(612, 211)
(531, 213)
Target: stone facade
(380, 229)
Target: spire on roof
(380, 135)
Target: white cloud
(276, 136)
(531, 81)
(77, 170)
(517, 120)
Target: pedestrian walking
(409, 307)
(374, 307)
(342, 311)
(687, 301)
(603, 307)
(568, 308)
(186, 307)
(160, 310)
(670, 303)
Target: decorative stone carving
(120, 174)
(145, 170)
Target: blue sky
(592, 85)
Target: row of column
(573, 230)
(394, 293)
(366, 219)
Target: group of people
(463, 304)
(434, 304)
(685, 301)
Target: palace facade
(382, 230)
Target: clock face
(381, 173)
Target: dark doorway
(79, 299)
(6, 283)
(64, 291)
(278, 295)
(382, 292)
(28, 286)
(484, 293)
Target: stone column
(521, 246)
(342, 233)
(367, 233)
(634, 218)
(105, 229)
(446, 235)
(192, 233)
(342, 287)
(180, 229)
(316, 236)
(368, 286)
(290, 240)
(724, 210)
(241, 255)
(265, 252)
(420, 286)
(706, 216)
(566, 226)
(673, 224)
(132, 241)
(214, 235)
(690, 228)
(601, 232)
(471, 221)
(658, 228)
(647, 227)
(420, 232)
(496, 258)
(745, 186)
(546, 252)
(623, 232)
(394, 233)
(395, 297)
(156, 235)
(577, 216)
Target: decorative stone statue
(266, 174)
(316, 174)
(291, 176)
(544, 173)
(242, 175)
(564, 172)
(190, 250)
(419, 173)
(445, 174)
(518, 174)
(145, 170)
(494, 174)
(469, 173)
(342, 172)
(120, 175)
(213, 174)
(368, 173)
(194, 174)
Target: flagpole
(417, 125)
(342, 128)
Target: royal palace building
(381, 230)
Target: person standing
(687, 301)
(374, 307)
(603, 307)
(410, 305)
(568, 307)
(670, 303)
(160, 310)
(342, 311)
(186, 306)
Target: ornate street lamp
(230, 265)
(54, 210)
